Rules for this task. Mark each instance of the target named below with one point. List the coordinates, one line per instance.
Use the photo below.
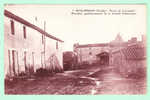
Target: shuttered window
(56, 45)
(12, 27)
(24, 32)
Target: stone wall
(130, 61)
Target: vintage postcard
(75, 49)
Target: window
(90, 53)
(24, 32)
(56, 45)
(12, 27)
(32, 59)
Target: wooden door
(25, 61)
(14, 62)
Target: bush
(42, 72)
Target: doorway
(103, 58)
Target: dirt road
(93, 80)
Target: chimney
(143, 38)
(133, 40)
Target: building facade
(107, 53)
(28, 47)
(88, 53)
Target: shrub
(42, 72)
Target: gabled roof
(102, 54)
(133, 51)
(21, 20)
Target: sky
(85, 29)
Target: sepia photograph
(95, 49)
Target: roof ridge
(23, 21)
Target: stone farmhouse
(104, 53)
(28, 47)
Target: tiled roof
(21, 20)
(134, 52)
